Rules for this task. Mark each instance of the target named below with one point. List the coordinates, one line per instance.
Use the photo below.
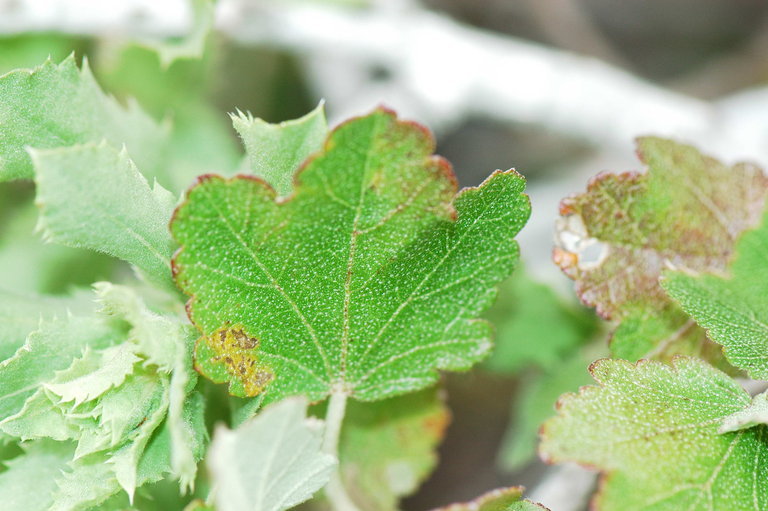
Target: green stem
(334, 417)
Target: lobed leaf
(275, 151)
(58, 105)
(93, 196)
(686, 212)
(653, 431)
(368, 279)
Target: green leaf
(388, 448)
(192, 44)
(733, 309)
(685, 212)
(503, 499)
(50, 349)
(368, 279)
(534, 327)
(40, 418)
(535, 403)
(96, 372)
(60, 105)
(653, 430)
(291, 467)
(20, 314)
(753, 415)
(87, 483)
(275, 151)
(107, 206)
(29, 481)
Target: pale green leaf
(40, 418)
(733, 309)
(125, 461)
(29, 482)
(275, 151)
(92, 196)
(163, 341)
(50, 349)
(121, 410)
(60, 105)
(20, 314)
(753, 415)
(271, 462)
(503, 499)
(653, 430)
(370, 277)
(87, 483)
(94, 373)
(192, 44)
(685, 212)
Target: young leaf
(21, 314)
(60, 105)
(107, 206)
(50, 349)
(364, 280)
(275, 151)
(503, 499)
(734, 309)
(95, 373)
(686, 212)
(28, 482)
(653, 430)
(291, 465)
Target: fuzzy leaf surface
(685, 212)
(47, 350)
(503, 499)
(734, 308)
(20, 314)
(369, 278)
(653, 430)
(29, 480)
(93, 196)
(275, 151)
(292, 466)
(59, 105)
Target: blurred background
(557, 89)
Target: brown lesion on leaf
(237, 351)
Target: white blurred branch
(434, 69)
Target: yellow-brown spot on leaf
(237, 351)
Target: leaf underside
(686, 212)
(367, 279)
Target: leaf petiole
(334, 417)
